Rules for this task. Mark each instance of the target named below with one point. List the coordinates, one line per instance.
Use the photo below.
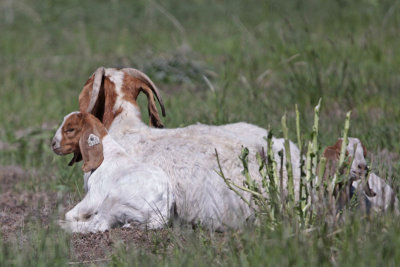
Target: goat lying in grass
(120, 190)
(186, 154)
(379, 196)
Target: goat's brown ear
(91, 148)
(92, 93)
(147, 86)
(364, 149)
(155, 120)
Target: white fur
(187, 155)
(58, 135)
(385, 196)
(356, 152)
(117, 77)
(121, 191)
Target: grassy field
(261, 58)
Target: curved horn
(98, 77)
(146, 80)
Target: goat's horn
(145, 79)
(98, 78)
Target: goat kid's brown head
(100, 94)
(356, 153)
(81, 134)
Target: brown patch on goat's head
(110, 99)
(69, 134)
(342, 190)
(131, 88)
(333, 152)
(81, 134)
(99, 96)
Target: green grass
(262, 57)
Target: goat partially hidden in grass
(378, 195)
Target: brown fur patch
(104, 107)
(333, 152)
(342, 192)
(84, 96)
(110, 98)
(131, 87)
(71, 133)
(75, 132)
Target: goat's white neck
(130, 115)
(111, 148)
(127, 120)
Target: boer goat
(379, 196)
(120, 190)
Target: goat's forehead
(69, 117)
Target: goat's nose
(53, 143)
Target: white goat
(120, 190)
(379, 195)
(186, 154)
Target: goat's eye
(70, 130)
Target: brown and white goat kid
(120, 190)
(186, 154)
(379, 195)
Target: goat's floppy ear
(91, 148)
(364, 149)
(148, 87)
(90, 93)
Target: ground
(215, 62)
(20, 207)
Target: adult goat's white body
(186, 154)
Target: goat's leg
(85, 218)
(82, 211)
(95, 224)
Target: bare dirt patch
(19, 207)
(10, 176)
(93, 246)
